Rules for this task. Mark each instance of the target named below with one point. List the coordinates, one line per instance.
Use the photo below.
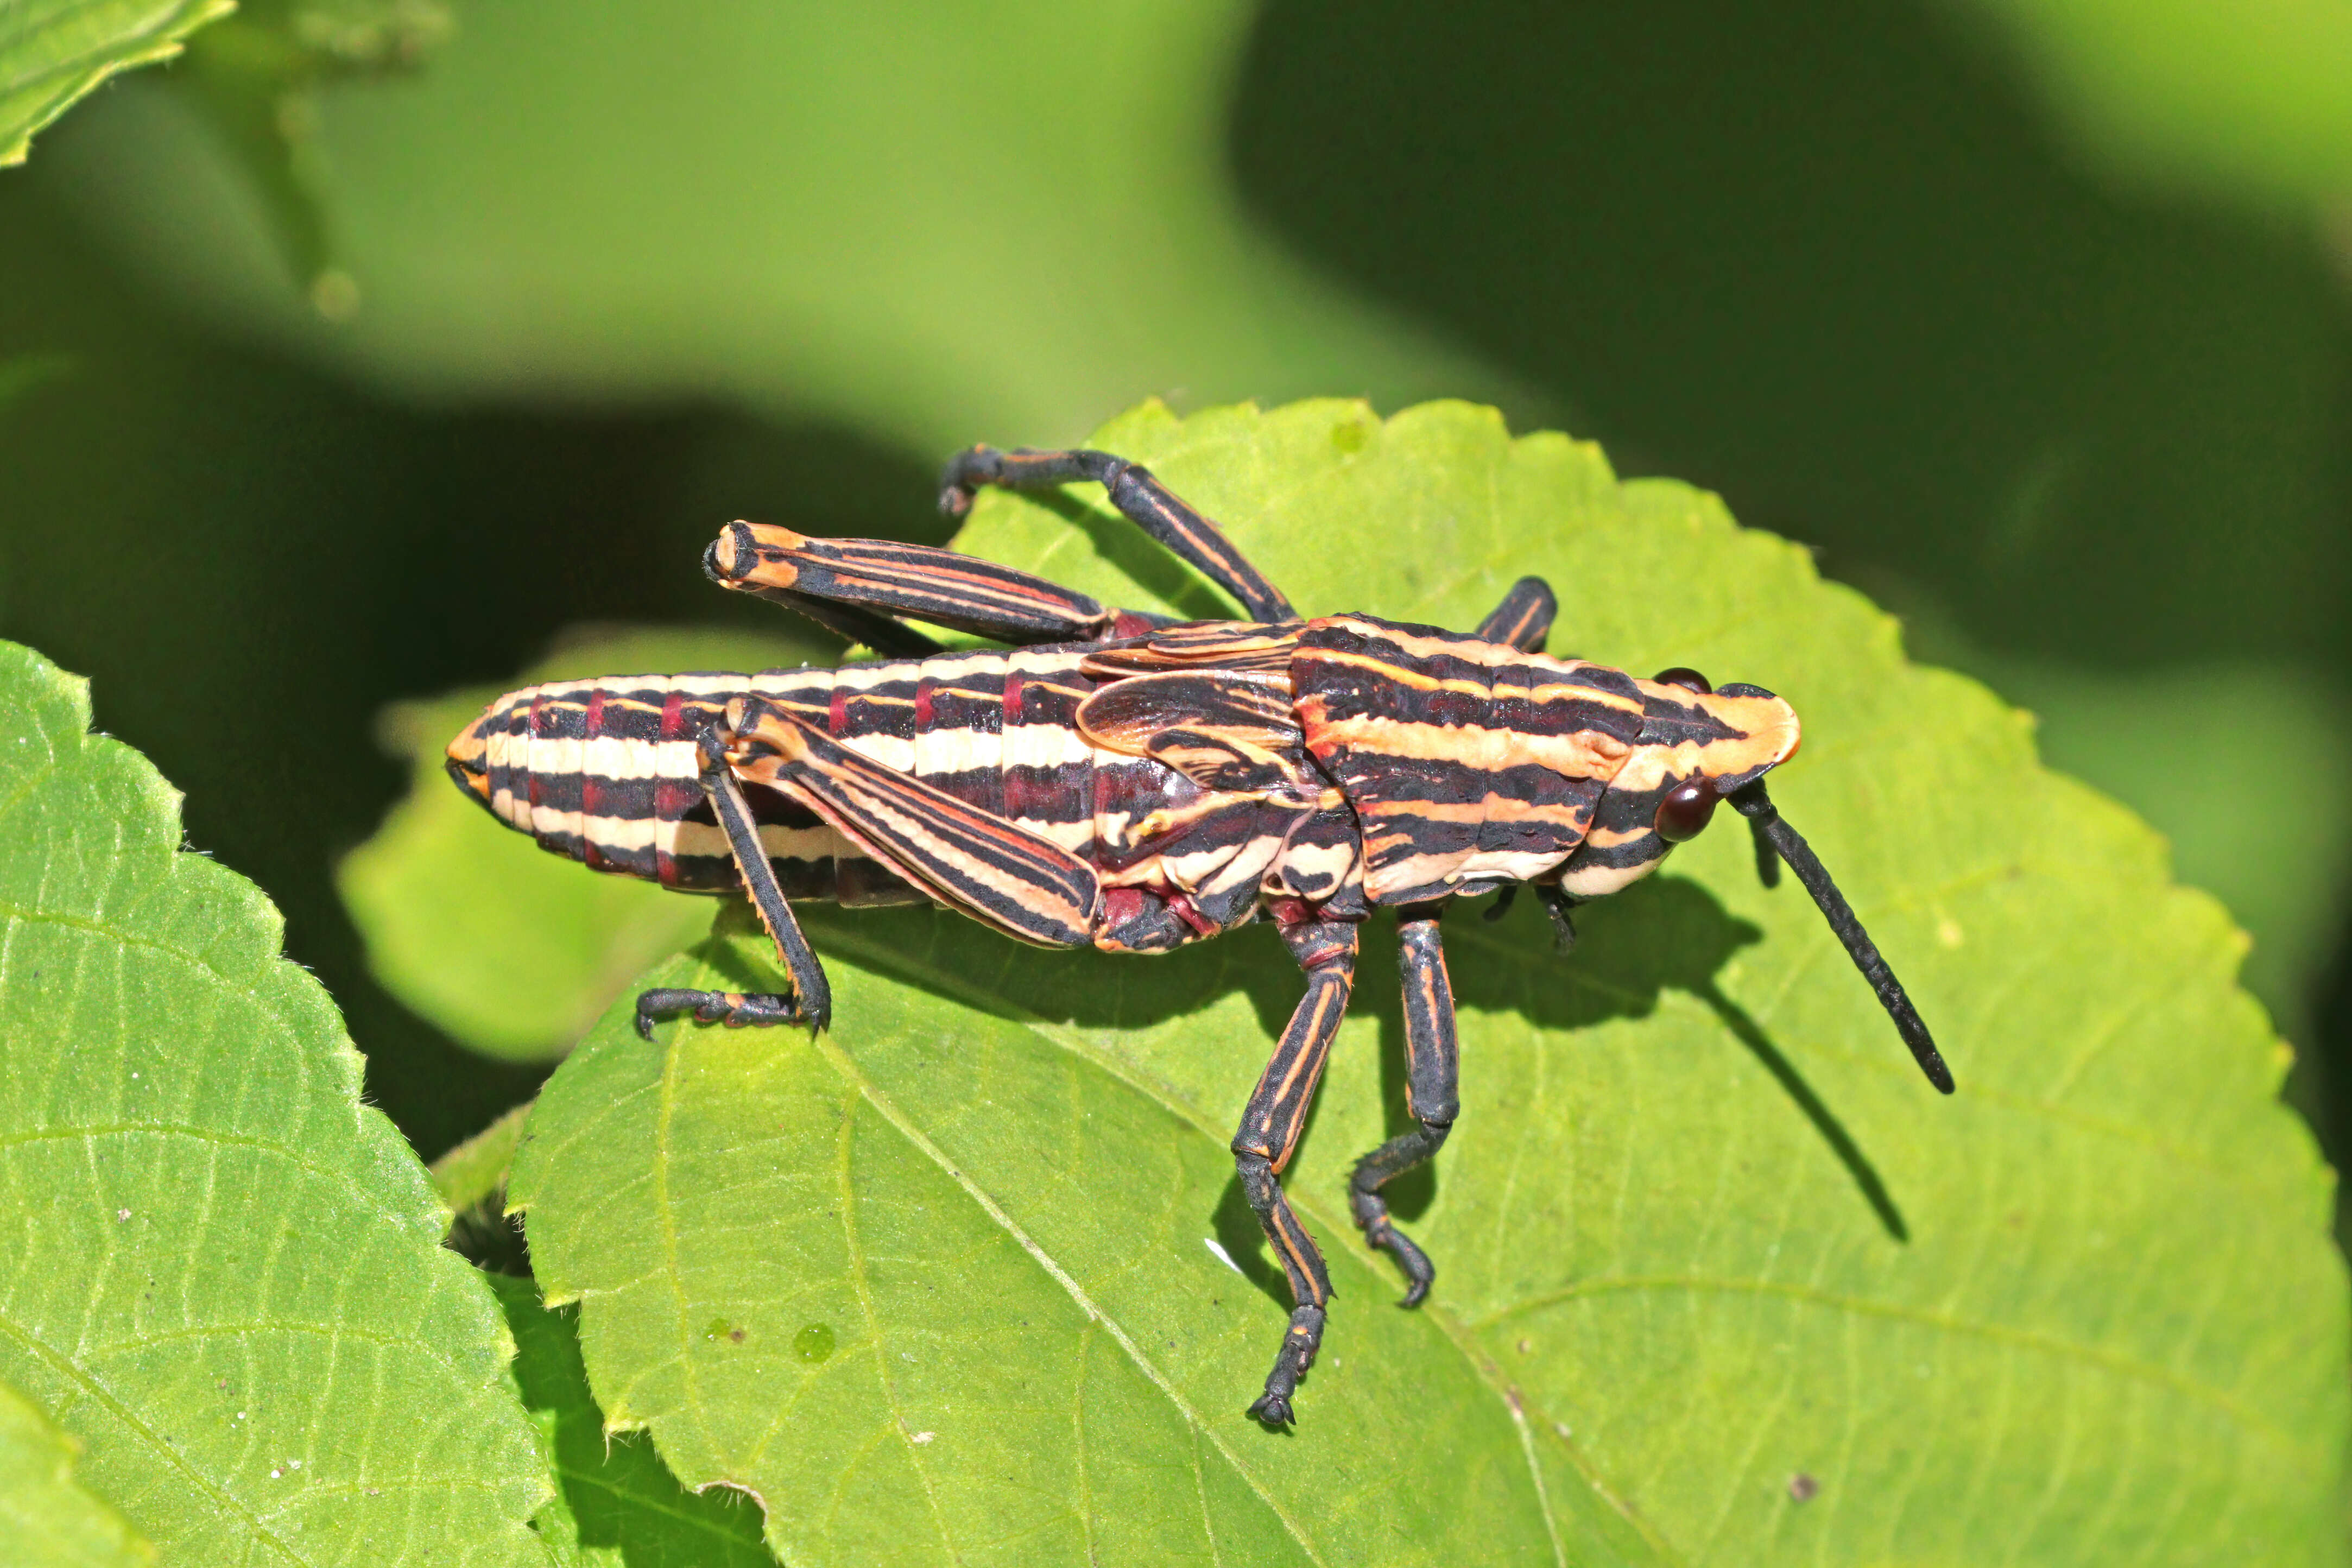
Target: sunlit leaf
(46, 1518)
(1720, 1279)
(223, 1276)
(53, 52)
(619, 1497)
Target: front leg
(1432, 1092)
(811, 999)
(1269, 1133)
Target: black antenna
(1767, 858)
(1770, 829)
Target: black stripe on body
(1732, 736)
(941, 586)
(1427, 660)
(959, 733)
(1469, 763)
(1231, 646)
(1667, 721)
(1024, 886)
(1047, 769)
(605, 771)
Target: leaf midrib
(66, 1367)
(888, 1109)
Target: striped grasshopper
(1135, 783)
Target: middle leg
(1432, 1092)
(810, 1001)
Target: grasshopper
(1135, 783)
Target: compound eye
(1684, 815)
(1688, 679)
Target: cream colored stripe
(1512, 865)
(1046, 746)
(547, 822)
(857, 679)
(1594, 881)
(892, 752)
(611, 757)
(1078, 838)
(1492, 808)
(1413, 871)
(1583, 754)
(954, 748)
(915, 849)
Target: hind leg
(859, 588)
(811, 999)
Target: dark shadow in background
(1826, 258)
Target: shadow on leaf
(1668, 933)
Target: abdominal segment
(607, 772)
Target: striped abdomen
(606, 771)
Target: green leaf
(475, 1170)
(733, 200)
(509, 949)
(222, 1275)
(2246, 101)
(47, 1520)
(258, 77)
(619, 1495)
(53, 52)
(1719, 1278)
(2278, 858)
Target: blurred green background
(345, 367)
